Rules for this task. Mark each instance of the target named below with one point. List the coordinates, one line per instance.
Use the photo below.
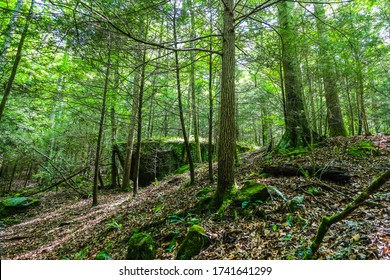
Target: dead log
(329, 173)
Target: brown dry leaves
(66, 227)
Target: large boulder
(12, 205)
(141, 247)
(252, 191)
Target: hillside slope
(65, 227)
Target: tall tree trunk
(350, 108)
(132, 127)
(297, 128)
(227, 122)
(139, 125)
(362, 121)
(311, 95)
(12, 177)
(179, 95)
(101, 127)
(114, 168)
(211, 109)
(9, 30)
(18, 57)
(195, 118)
(334, 115)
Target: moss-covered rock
(141, 247)
(12, 205)
(195, 240)
(252, 190)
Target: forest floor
(63, 226)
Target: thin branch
(262, 6)
(142, 41)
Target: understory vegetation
(282, 226)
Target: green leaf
(245, 204)
(287, 237)
(103, 256)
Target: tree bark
(297, 131)
(334, 114)
(101, 127)
(227, 122)
(139, 125)
(9, 30)
(195, 118)
(179, 95)
(211, 109)
(131, 132)
(18, 57)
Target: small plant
(182, 169)
(295, 202)
(158, 208)
(189, 220)
(289, 219)
(204, 192)
(272, 189)
(81, 254)
(362, 149)
(114, 225)
(304, 171)
(103, 255)
(315, 191)
(172, 244)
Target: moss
(182, 169)
(14, 205)
(141, 247)
(253, 191)
(195, 240)
(204, 204)
(363, 149)
(204, 191)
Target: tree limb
(327, 222)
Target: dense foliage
(77, 76)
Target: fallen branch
(327, 222)
(334, 174)
(61, 181)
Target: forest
(194, 129)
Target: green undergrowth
(363, 149)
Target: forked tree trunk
(132, 127)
